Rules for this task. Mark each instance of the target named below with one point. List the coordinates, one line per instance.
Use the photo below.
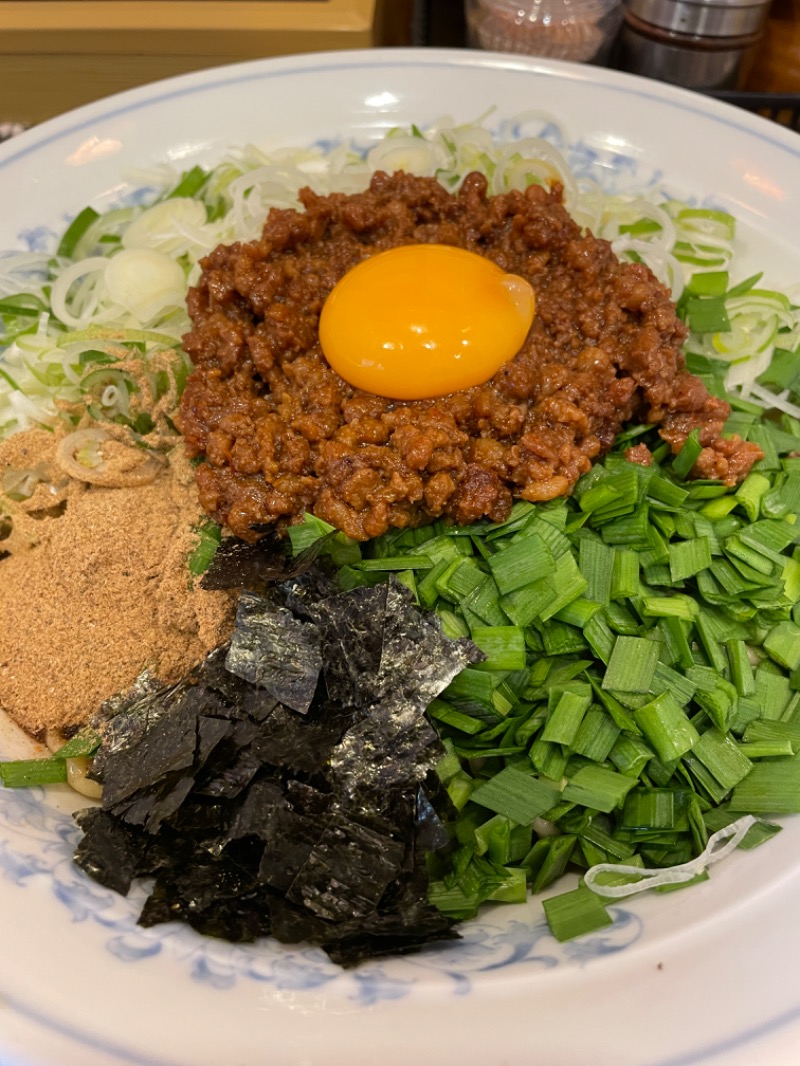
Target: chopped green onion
(632, 665)
(597, 788)
(769, 788)
(209, 537)
(575, 913)
(24, 773)
(688, 455)
(516, 795)
(666, 727)
(75, 231)
(86, 742)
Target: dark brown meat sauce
(282, 434)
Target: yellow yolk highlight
(424, 320)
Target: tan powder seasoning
(96, 587)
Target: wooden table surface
(777, 65)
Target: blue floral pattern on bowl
(37, 842)
(40, 839)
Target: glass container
(578, 30)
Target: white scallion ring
(79, 454)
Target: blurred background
(59, 54)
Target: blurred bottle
(699, 44)
(579, 30)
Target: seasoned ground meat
(281, 433)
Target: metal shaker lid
(703, 18)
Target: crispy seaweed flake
(125, 718)
(431, 834)
(257, 567)
(305, 745)
(109, 851)
(352, 633)
(417, 659)
(272, 649)
(218, 898)
(391, 934)
(347, 871)
(263, 802)
(359, 764)
(239, 565)
(167, 748)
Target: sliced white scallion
(111, 275)
(145, 283)
(415, 155)
(80, 454)
(720, 845)
(77, 777)
(174, 227)
(75, 295)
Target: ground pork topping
(281, 433)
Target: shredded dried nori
(286, 785)
(276, 651)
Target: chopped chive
(722, 758)
(550, 760)
(525, 604)
(630, 755)
(599, 637)
(394, 562)
(596, 561)
(741, 670)
(766, 749)
(462, 577)
(676, 886)
(751, 492)
(757, 834)
(569, 584)
(568, 705)
(688, 455)
(442, 711)
(471, 684)
(675, 606)
(652, 808)
(625, 574)
(689, 557)
(75, 231)
(597, 788)
(517, 795)
(554, 859)
(666, 727)
(782, 644)
(24, 773)
(522, 563)
(676, 640)
(575, 913)
(766, 731)
(769, 788)
(596, 736)
(632, 665)
(209, 537)
(84, 743)
(504, 647)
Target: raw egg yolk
(424, 320)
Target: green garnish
(24, 773)
(575, 913)
(642, 681)
(209, 535)
(75, 231)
